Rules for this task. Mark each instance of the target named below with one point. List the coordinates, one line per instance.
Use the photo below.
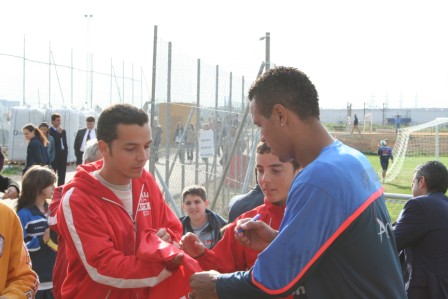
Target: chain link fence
(215, 141)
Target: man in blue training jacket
(335, 240)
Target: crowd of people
(319, 232)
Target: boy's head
(194, 201)
(273, 176)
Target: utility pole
(267, 39)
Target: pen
(255, 218)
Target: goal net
(367, 123)
(416, 145)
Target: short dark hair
(264, 148)
(54, 116)
(194, 190)
(436, 176)
(90, 119)
(44, 124)
(286, 86)
(115, 115)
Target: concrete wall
(418, 116)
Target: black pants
(79, 157)
(59, 166)
(45, 294)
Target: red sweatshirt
(229, 255)
(102, 238)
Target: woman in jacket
(36, 153)
(190, 141)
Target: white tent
(21, 116)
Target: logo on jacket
(144, 205)
(383, 229)
(300, 291)
(2, 244)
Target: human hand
(60, 129)
(175, 262)
(192, 246)
(11, 193)
(203, 285)
(164, 235)
(256, 235)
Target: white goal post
(417, 144)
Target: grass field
(402, 184)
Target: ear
(206, 203)
(279, 113)
(103, 147)
(422, 184)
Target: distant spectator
(8, 186)
(355, 124)
(178, 133)
(421, 231)
(157, 132)
(43, 127)
(82, 136)
(200, 220)
(59, 164)
(397, 123)
(190, 141)
(36, 152)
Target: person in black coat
(245, 202)
(36, 152)
(8, 186)
(82, 136)
(59, 164)
(421, 233)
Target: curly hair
(286, 86)
(35, 179)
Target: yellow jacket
(17, 279)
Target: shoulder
(6, 212)
(216, 216)
(24, 212)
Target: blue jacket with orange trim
(335, 240)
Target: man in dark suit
(59, 164)
(82, 136)
(421, 233)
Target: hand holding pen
(254, 234)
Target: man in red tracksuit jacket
(110, 215)
(274, 178)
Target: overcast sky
(374, 52)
